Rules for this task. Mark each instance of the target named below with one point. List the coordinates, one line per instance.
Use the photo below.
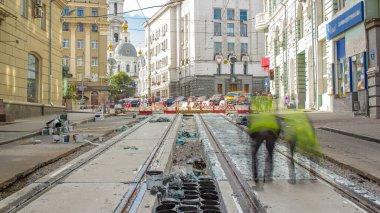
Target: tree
(71, 92)
(121, 83)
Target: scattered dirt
(190, 150)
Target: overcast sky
(136, 19)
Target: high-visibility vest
(297, 128)
(264, 122)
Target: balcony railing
(261, 21)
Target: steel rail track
(49, 184)
(357, 199)
(129, 197)
(247, 194)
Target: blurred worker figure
(300, 135)
(264, 126)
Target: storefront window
(358, 72)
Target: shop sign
(346, 20)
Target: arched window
(32, 82)
(127, 68)
(116, 37)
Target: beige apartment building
(30, 58)
(84, 44)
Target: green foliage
(71, 92)
(121, 83)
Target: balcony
(261, 21)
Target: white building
(124, 56)
(205, 47)
(317, 68)
(115, 19)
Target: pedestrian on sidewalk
(263, 127)
(300, 135)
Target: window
(80, 27)
(65, 43)
(135, 68)
(244, 48)
(231, 47)
(80, 11)
(230, 14)
(24, 8)
(127, 68)
(94, 61)
(217, 47)
(116, 37)
(66, 11)
(43, 18)
(232, 68)
(118, 68)
(217, 13)
(32, 82)
(245, 70)
(65, 26)
(243, 15)
(94, 12)
(217, 29)
(300, 28)
(230, 29)
(243, 30)
(80, 43)
(219, 69)
(115, 9)
(322, 12)
(94, 44)
(65, 60)
(79, 61)
(246, 87)
(341, 4)
(94, 28)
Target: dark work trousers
(292, 172)
(257, 139)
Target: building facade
(192, 52)
(30, 58)
(318, 52)
(85, 31)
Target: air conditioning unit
(39, 3)
(38, 12)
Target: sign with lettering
(346, 20)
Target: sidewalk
(24, 156)
(352, 142)
(347, 124)
(23, 128)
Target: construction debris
(160, 119)
(131, 148)
(122, 128)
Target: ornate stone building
(30, 58)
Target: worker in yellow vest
(299, 133)
(263, 127)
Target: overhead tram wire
(126, 12)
